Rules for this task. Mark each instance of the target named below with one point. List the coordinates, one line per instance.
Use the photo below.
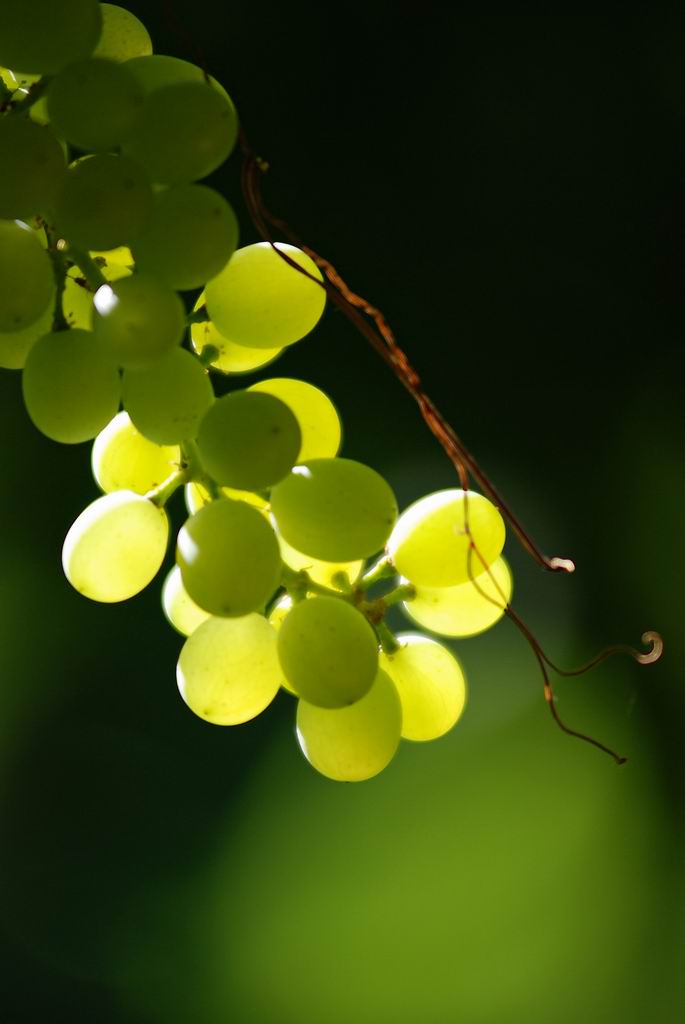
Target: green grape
(77, 297)
(115, 547)
(337, 510)
(328, 652)
(184, 132)
(354, 743)
(158, 71)
(42, 36)
(71, 388)
(430, 545)
(231, 358)
(123, 460)
(228, 671)
(467, 608)
(248, 440)
(106, 201)
(430, 683)
(181, 611)
(318, 570)
(229, 560)
(123, 36)
(197, 496)
(260, 301)
(313, 410)
(191, 236)
(167, 401)
(26, 277)
(138, 320)
(16, 345)
(32, 168)
(94, 103)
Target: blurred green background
(510, 190)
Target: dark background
(509, 190)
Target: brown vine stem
(372, 324)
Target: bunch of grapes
(102, 145)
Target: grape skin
(328, 652)
(228, 671)
(115, 547)
(430, 683)
(354, 743)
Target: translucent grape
(123, 36)
(354, 743)
(463, 610)
(106, 201)
(318, 570)
(42, 36)
(181, 611)
(313, 410)
(71, 387)
(94, 103)
(191, 236)
(231, 358)
(184, 133)
(248, 440)
(123, 460)
(328, 652)
(197, 496)
(167, 401)
(16, 345)
(77, 297)
(430, 546)
(32, 168)
(228, 671)
(138, 320)
(115, 547)
(157, 71)
(26, 276)
(430, 684)
(260, 301)
(229, 559)
(337, 510)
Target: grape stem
(196, 471)
(208, 355)
(299, 584)
(88, 268)
(199, 316)
(380, 570)
(386, 638)
(31, 96)
(59, 270)
(159, 496)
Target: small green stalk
(159, 496)
(380, 570)
(59, 270)
(208, 355)
(88, 267)
(31, 96)
(405, 592)
(387, 638)
(200, 316)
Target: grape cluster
(102, 145)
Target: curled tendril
(371, 323)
